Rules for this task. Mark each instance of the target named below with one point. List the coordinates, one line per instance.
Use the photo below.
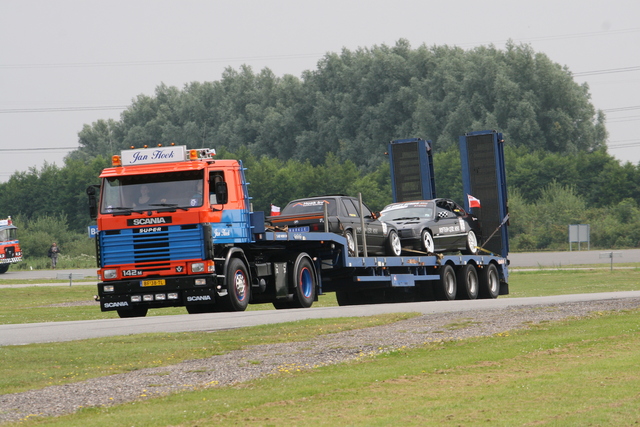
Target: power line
(619, 109)
(623, 119)
(299, 55)
(161, 62)
(17, 150)
(61, 109)
(557, 37)
(608, 71)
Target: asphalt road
(68, 331)
(28, 333)
(566, 259)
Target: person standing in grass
(54, 250)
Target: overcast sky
(66, 63)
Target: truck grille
(152, 244)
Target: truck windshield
(130, 193)
(8, 234)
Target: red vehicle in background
(10, 251)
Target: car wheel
(351, 243)
(472, 244)
(394, 246)
(427, 242)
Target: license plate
(299, 229)
(146, 283)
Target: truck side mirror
(92, 194)
(222, 195)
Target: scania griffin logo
(149, 221)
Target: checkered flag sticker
(442, 214)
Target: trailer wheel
(447, 285)
(428, 245)
(133, 312)
(238, 286)
(489, 282)
(304, 282)
(467, 281)
(394, 246)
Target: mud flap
(198, 296)
(281, 279)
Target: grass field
(574, 372)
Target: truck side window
(217, 188)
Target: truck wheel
(133, 312)
(4, 268)
(304, 282)
(427, 242)
(394, 246)
(467, 282)
(472, 244)
(238, 286)
(489, 282)
(447, 285)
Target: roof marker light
(116, 160)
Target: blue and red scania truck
(176, 228)
(10, 251)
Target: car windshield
(130, 193)
(310, 207)
(407, 213)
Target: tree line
(327, 132)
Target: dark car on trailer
(438, 225)
(343, 217)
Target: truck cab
(159, 211)
(10, 252)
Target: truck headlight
(197, 267)
(108, 288)
(110, 274)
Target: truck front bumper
(174, 291)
